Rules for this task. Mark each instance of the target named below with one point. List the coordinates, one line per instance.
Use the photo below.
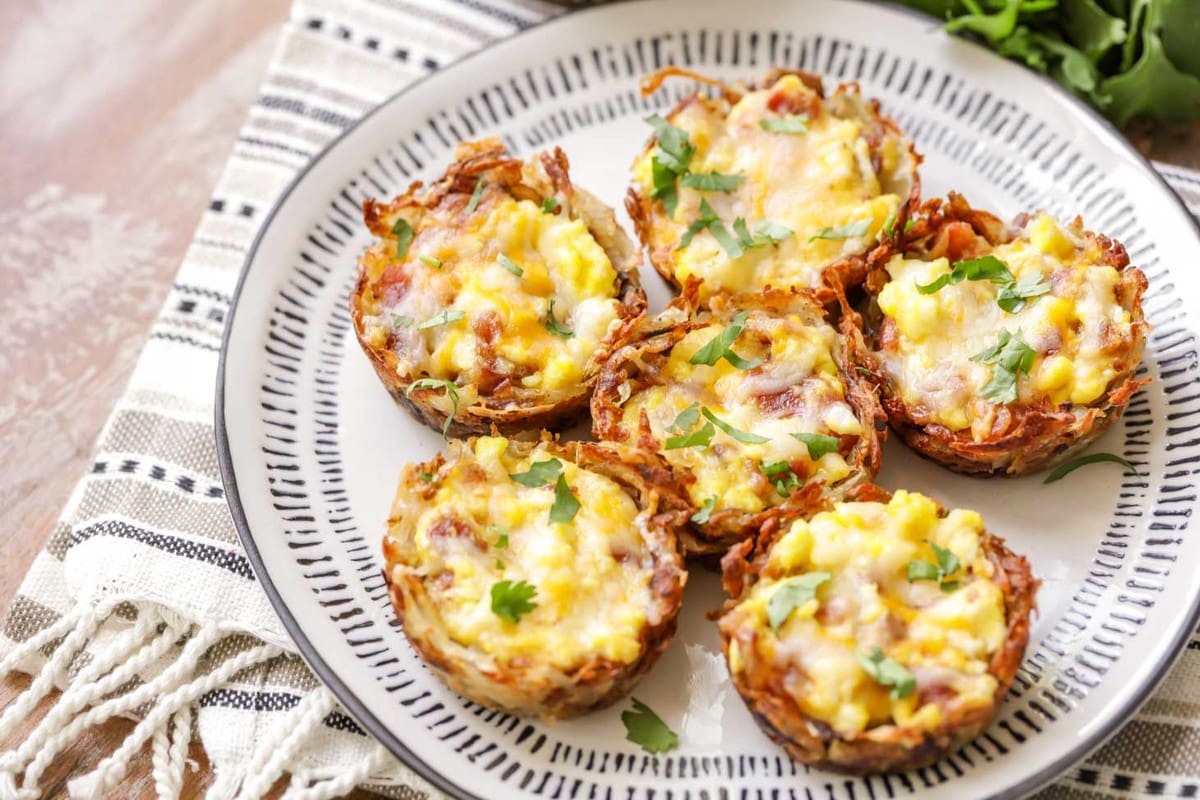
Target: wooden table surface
(116, 120)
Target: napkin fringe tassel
(148, 670)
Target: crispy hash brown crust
(884, 748)
(840, 276)
(637, 364)
(1024, 438)
(528, 686)
(507, 405)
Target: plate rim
(345, 695)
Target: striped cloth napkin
(143, 604)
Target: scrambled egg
(496, 317)
(798, 364)
(945, 639)
(823, 178)
(501, 531)
(1075, 328)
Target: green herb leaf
(510, 265)
(404, 236)
(549, 205)
(946, 565)
(665, 186)
(501, 538)
(473, 203)
(1010, 358)
(886, 671)
(793, 123)
(711, 181)
(687, 419)
(818, 444)
(674, 149)
(781, 475)
(511, 601)
(1091, 28)
(428, 477)
(566, 505)
(444, 318)
(719, 347)
(987, 268)
(708, 220)
(791, 594)
(701, 437)
(647, 730)
(705, 513)
(451, 392)
(401, 320)
(849, 231)
(556, 327)
(1063, 470)
(436, 263)
(539, 473)
(728, 242)
(741, 436)
(1013, 296)
(765, 233)
(993, 27)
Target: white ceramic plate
(311, 444)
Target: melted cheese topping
(945, 639)
(503, 326)
(1075, 329)
(805, 182)
(599, 560)
(797, 389)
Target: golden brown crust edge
(842, 275)
(656, 336)
(1035, 438)
(512, 409)
(888, 748)
(535, 689)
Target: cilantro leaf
(566, 505)
(818, 444)
(1063, 470)
(987, 268)
(946, 565)
(665, 186)
(647, 730)
(687, 419)
(705, 513)
(436, 263)
(791, 594)
(444, 318)
(556, 327)
(781, 475)
(741, 436)
(886, 671)
(539, 473)
(674, 149)
(549, 205)
(451, 392)
(851, 230)
(1012, 297)
(404, 236)
(473, 203)
(511, 601)
(711, 181)
(510, 265)
(765, 233)
(792, 123)
(1010, 358)
(708, 220)
(731, 246)
(701, 437)
(719, 347)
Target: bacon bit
(451, 527)
(783, 101)
(889, 335)
(788, 403)
(938, 693)
(956, 241)
(443, 581)
(486, 326)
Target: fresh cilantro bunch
(1128, 58)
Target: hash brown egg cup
(538, 578)
(1027, 358)
(747, 401)
(876, 635)
(804, 189)
(493, 296)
